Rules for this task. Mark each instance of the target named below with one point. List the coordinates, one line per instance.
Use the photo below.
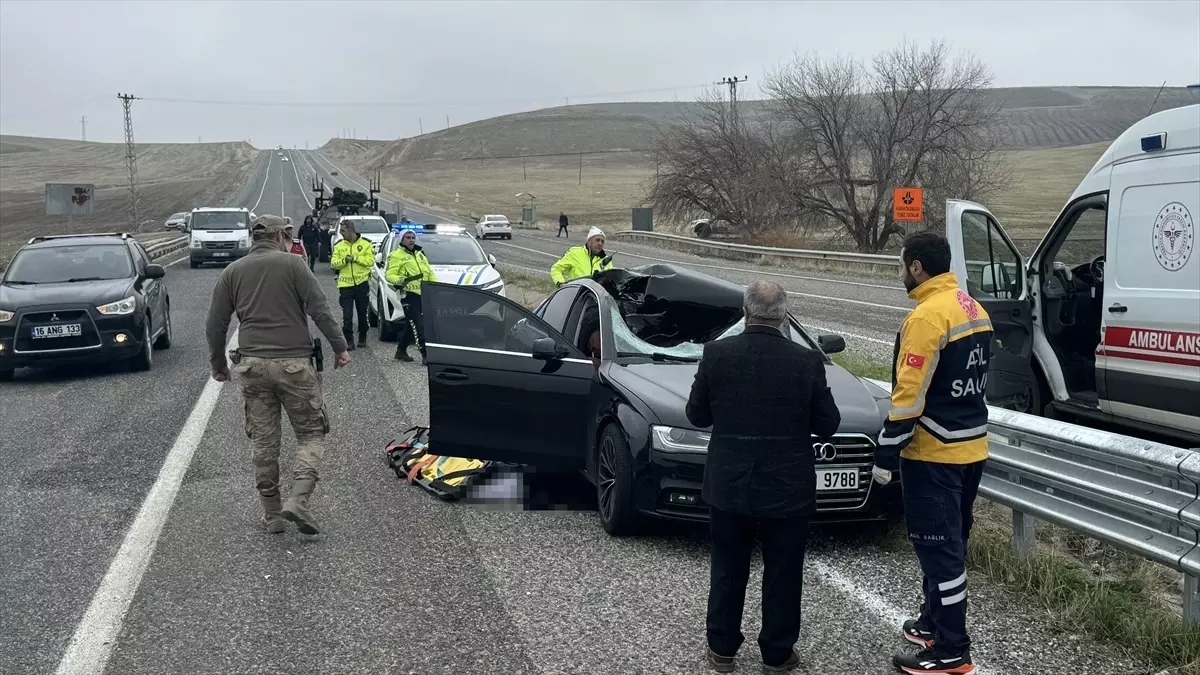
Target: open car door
(992, 271)
(503, 384)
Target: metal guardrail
(873, 262)
(1136, 495)
(162, 248)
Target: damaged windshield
(668, 313)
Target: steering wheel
(1097, 269)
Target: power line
(407, 104)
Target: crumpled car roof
(666, 305)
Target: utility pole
(447, 121)
(732, 83)
(480, 153)
(131, 159)
(83, 126)
(422, 125)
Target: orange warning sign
(908, 204)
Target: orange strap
(421, 464)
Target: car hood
(665, 387)
(465, 275)
(220, 235)
(92, 293)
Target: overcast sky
(402, 62)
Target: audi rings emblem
(824, 452)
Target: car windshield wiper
(17, 282)
(661, 357)
(74, 279)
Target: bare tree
(850, 134)
(712, 163)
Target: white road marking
(814, 296)
(824, 329)
(877, 604)
(270, 158)
(176, 262)
(96, 635)
(303, 191)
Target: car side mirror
(546, 349)
(831, 344)
(153, 271)
(492, 259)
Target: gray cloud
(472, 60)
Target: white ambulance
(1103, 320)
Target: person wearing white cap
(582, 261)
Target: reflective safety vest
(577, 262)
(939, 376)
(352, 261)
(403, 265)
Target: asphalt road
(131, 526)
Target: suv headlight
(120, 307)
(244, 242)
(676, 439)
(6, 316)
(195, 243)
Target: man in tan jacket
(273, 294)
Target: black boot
(402, 353)
(349, 340)
(362, 339)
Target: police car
(454, 255)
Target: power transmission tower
(83, 126)
(131, 160)
(732, 83)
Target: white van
(1103, 320)
(218, 235)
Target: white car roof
(221, 208)
(496, 216)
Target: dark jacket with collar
(764, 396)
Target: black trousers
(313, 252)
(938, 504)
(411, 302)
(562, 230)
(783, 544)
(353, 298)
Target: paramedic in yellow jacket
(407, 267)
(582, 261)
(936, 436)
(352, 258)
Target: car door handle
(1118, 308)
(451, 376)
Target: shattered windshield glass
(628, 343)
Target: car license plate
(837, 479)
(220, 255)
(61, 330)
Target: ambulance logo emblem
(968, 304)
(1173, 236)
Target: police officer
(273, 294)
(407, 267)
(936, 437)
(352, 258)
(582, 261)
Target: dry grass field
(172, 177)
(1055, 135)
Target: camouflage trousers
(270, 386)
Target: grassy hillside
(1055, 135)
(171, 177)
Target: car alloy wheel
(614, 484)
(164, 340)
(606, 475)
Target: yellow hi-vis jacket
(939, 375)
(409, 269)
(353, 261)
(577, 262)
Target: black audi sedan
(596, 379)
(89, 298)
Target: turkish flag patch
(914, 361)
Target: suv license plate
(220, 255)
(61, 330)
(837, 479)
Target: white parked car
(493, 226)
(177, 220)
(455, 257)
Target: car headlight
(676, 439)
(494, 285)
(196, 243)
(244, 242)
(5, 316)
(120, 307)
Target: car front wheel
(614, 484)
(164, 340)
(145, 357)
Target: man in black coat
(765, 397)
(562, 225)
(310, 235)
